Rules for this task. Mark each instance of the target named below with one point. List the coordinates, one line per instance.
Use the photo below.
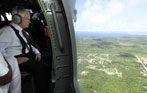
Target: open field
(112, 64)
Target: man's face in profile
(25, 20)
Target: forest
(112, 64)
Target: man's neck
(18, 27)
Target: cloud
(133, 3)
(100, 15)
(91, 15)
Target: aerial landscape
(112, 64)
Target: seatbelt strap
(24, 44)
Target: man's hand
(22, 60)
(38, 57)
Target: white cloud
(100, 15)
(94, 18)
(115, 7)
(133, 3)
(91, 15)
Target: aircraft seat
(25, 77)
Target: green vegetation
(110, 65)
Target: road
(141, 63)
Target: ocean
(107, 34)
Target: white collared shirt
(3, 66)
(10, 44)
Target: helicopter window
(2, 18)
(5, 19)
(9, 16)
(112, 46)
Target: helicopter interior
(38, 30)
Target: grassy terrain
(109, 64)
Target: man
(16, 43)
(5, 75)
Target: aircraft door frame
(61, 30)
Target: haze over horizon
(111, 16)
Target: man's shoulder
(6, 30)
(6, 34)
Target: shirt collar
(16, 26)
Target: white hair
(19, 10)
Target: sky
(111, 15)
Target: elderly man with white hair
(15, 42)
